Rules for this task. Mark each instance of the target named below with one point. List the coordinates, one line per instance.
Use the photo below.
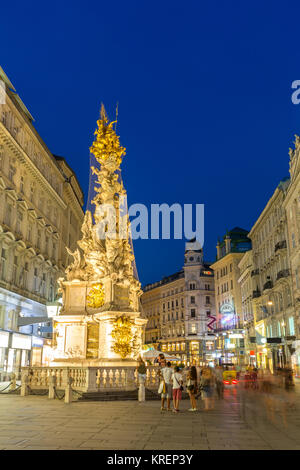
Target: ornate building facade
(181, 310)
(230, 347)
(292, 207)
(40, 215)
(272, 296)
(247, 285)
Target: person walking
(177, 388)
(207, 384)
(141, 370)
(192, 387)
(166, 390)
(219, 381)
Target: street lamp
(53, 308)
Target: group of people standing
(197, 383)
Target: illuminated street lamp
(53, 308)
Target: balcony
(256, 293)
(255, 272)
(280, 245)
(231, 326)
(283, 273)
(268, 285)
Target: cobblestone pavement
(35, 422)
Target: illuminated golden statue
(100, 285)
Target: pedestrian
(207, 384)
(159, 359)
(166, 386)
(177, 388)
(219, 381)
(191, 385)
(141, 370)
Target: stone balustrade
(89, 379)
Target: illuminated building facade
(230, 347)
(40, 215)
(180, 310)
(273, 308)
(291, 204)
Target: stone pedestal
(84, 335)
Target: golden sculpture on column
(100, 292)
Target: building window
(207, 299)
(15, 267)
(192, 299)
(291, 326)
(192, 286)
(11, 173)
(3, 262)
(193, 313)
(8, 213)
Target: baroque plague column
(100, 322)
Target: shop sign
(37, 342)
(236, 335)
(274, 340)
(227, 309)
(21, 341)
(4, 337)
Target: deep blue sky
(204, 91)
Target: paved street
(37, 423)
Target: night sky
(204, 92)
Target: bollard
(52, 385)
(24, 384)
(68, 391)
(13, 384)
(141, 389)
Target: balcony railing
(230, 326)
(268, 285)
(283, 273)
(280, 245)
(255, 272)
(256, 294)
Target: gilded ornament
(95, 299)
(123, 336)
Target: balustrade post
(52, 385)
(24, 383)
(68, 391)
(130, 383)
(65, 377)
(142, 395)
(13, 384)
(91, 379)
